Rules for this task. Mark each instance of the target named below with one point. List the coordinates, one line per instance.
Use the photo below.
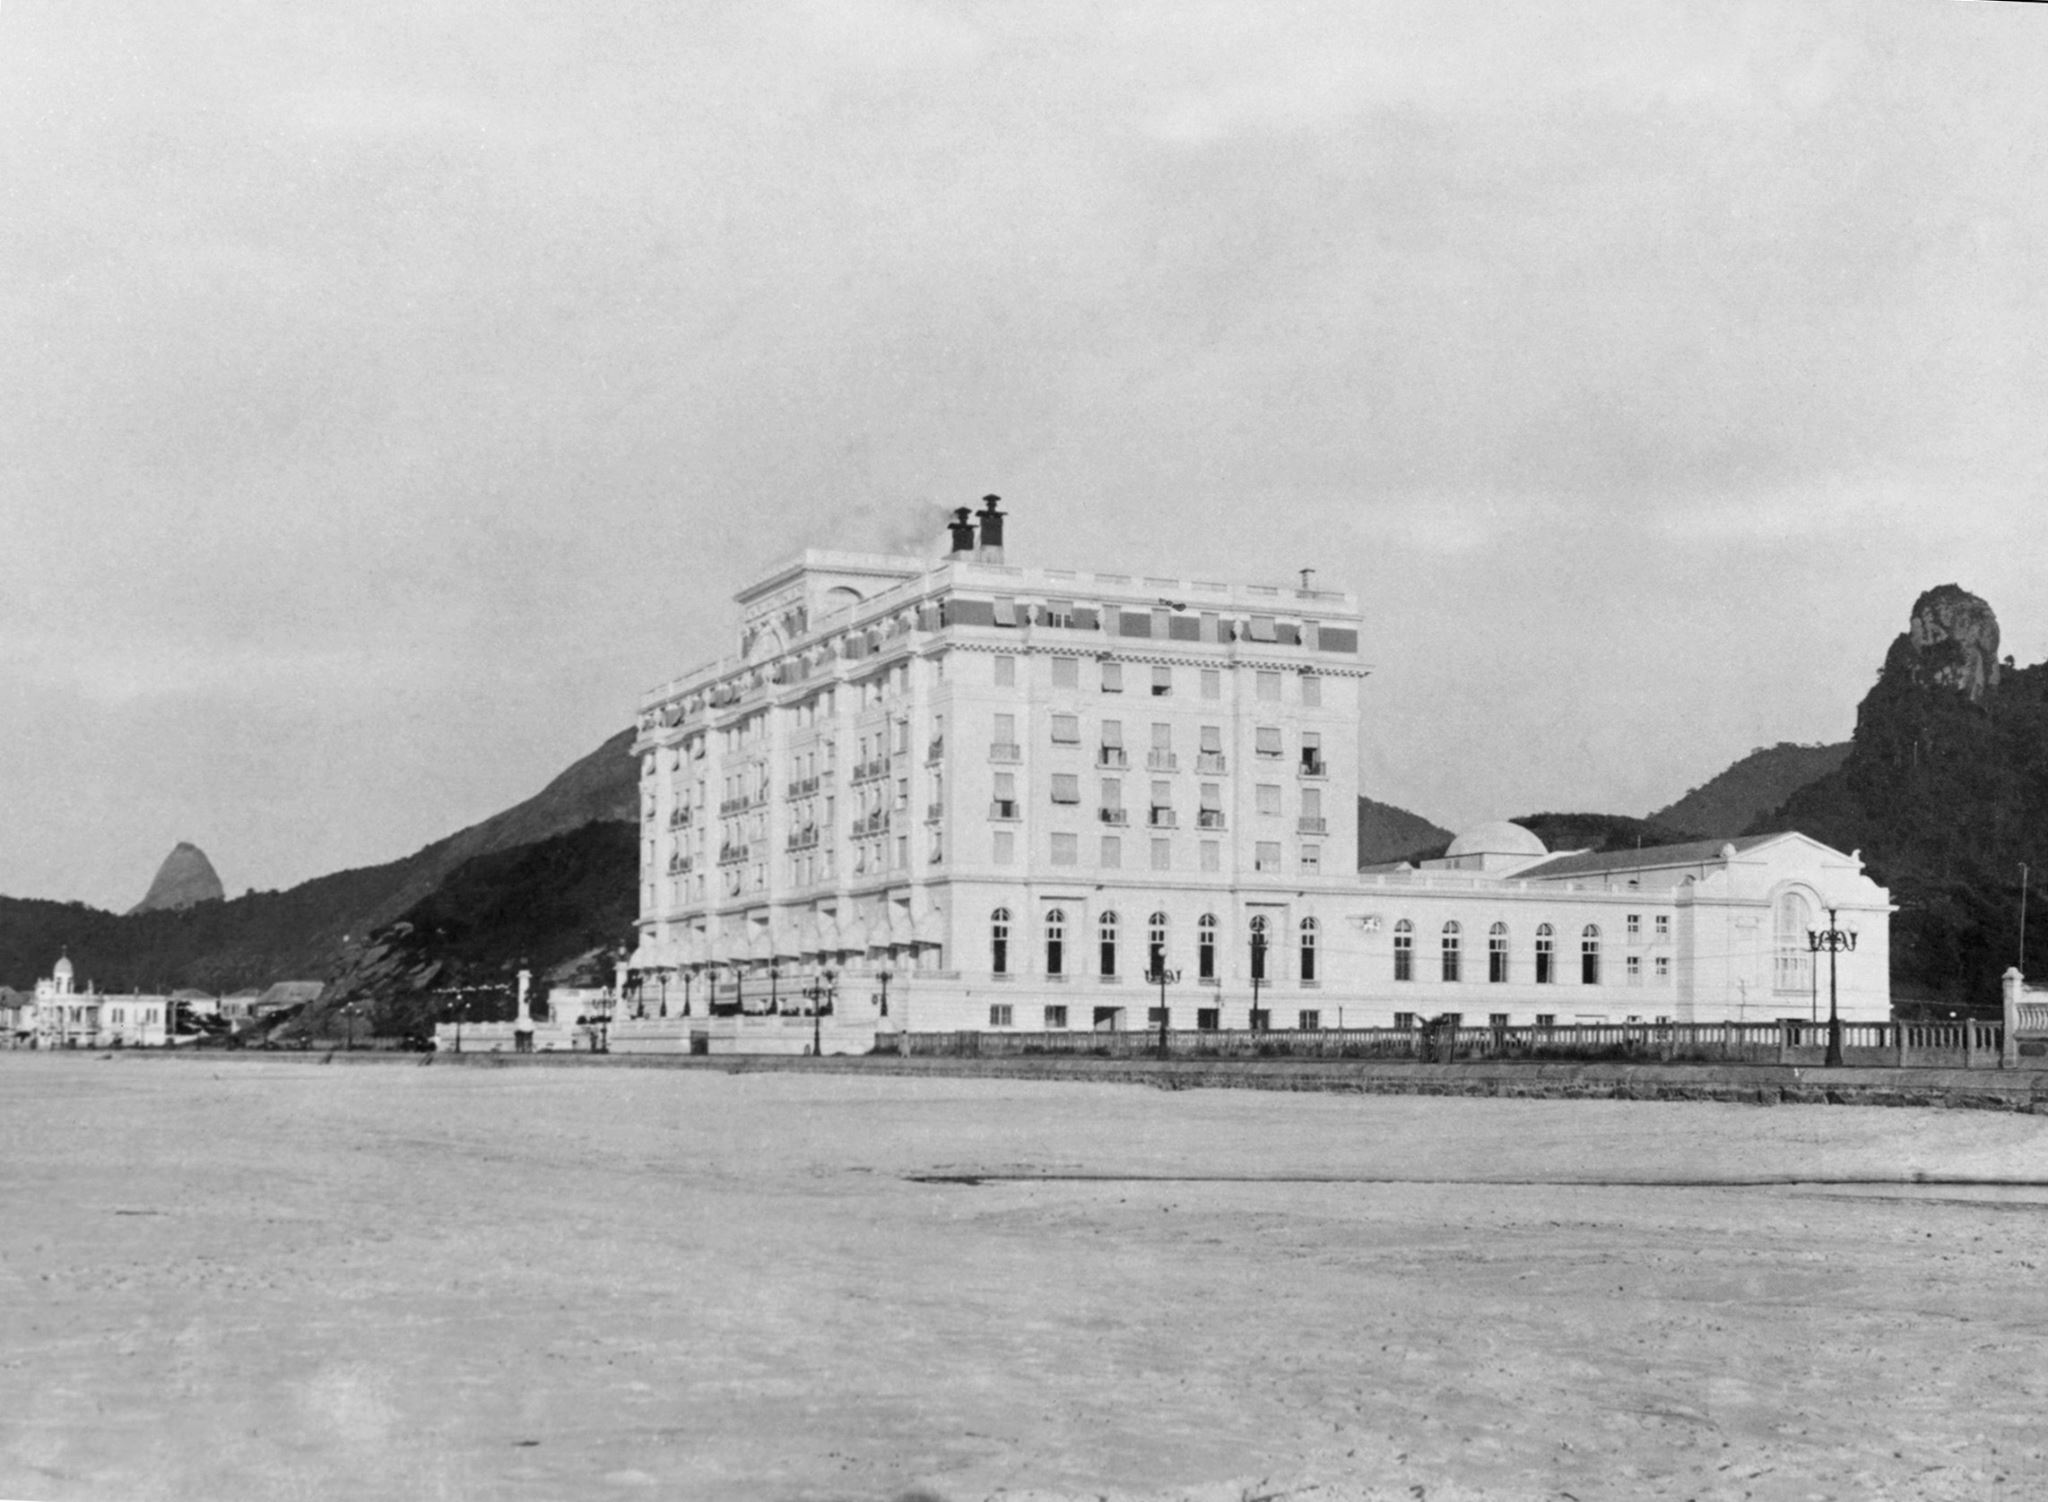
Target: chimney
(962, 528)
(991, 530)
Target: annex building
(969, 794)
(60, 1015)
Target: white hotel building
(1017, 792)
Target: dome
(63, 970)
(1497, 838)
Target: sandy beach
(288, 1279)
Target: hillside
(1387, 833)
(1945, 791)
(305, 932)
(564, 905)
(1730, 803)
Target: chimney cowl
(962, 529)
(991, 521)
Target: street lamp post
(821, 993)
(1834, 940)
(1165, 978)
(1258, 967)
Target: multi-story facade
(982, 795)
(986, 779)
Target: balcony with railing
(803, 787)
(936, 749)
(1005, 751)
(731, 854)
(1112, 756)
(1309, 825)
(1209, 818)
(1002, 808)
(1162, 761)
(1212, 761)
(874, 823)
(934, 811)
(680, 819)
(1118, 816)
(1313, 766)
(679, 865)
(868, 771)
(734, 805)
(1162, 818)
(803, 839)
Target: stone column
(522, 1027)
(2009, 1050)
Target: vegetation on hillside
(1753, 788)
(1946, 796)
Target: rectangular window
(1267, 686)
(1162, 681)
(1266, 740)
(1056, 1019)
(1546, 1019)
(1635, 926)
(1162, 855)
(1262, 628)
(1112, 852)
(1162, 736)
(1663, 925)
(1311, 857)
(1006, 729)
(1312, 804)
(1267, 856)
(1311, 691)
(1496, 1019)
(1312, 755)
(1663, 968)
(1212, 855)
(1158, 1017)
(999, 1014)
(1112, 677)
(1309, 1021)
(1006, 848)
(1006, 670)
(1635, 970)
(1212, 797)
(1066, 672)
(1269, 799)
(1212, 684)
(1212, 740)
(1066, 787)
(1066, 849)
(1208, 1019)
(1066, 729)
(1404, 1020)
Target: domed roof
(63, 970)
(1497, 838)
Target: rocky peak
(1954, 639)
(185, 877)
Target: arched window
(1497, 953)
(1450, 950)
(1546, 955)
(1108, 936)
(1308, 949)
(999, 941)
(1259, 947)
(1056, 942)
(1794, 917)
(1404, 950)
(1155, 945)
(1589, 955)
(1205, 947)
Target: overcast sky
(391, 393)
